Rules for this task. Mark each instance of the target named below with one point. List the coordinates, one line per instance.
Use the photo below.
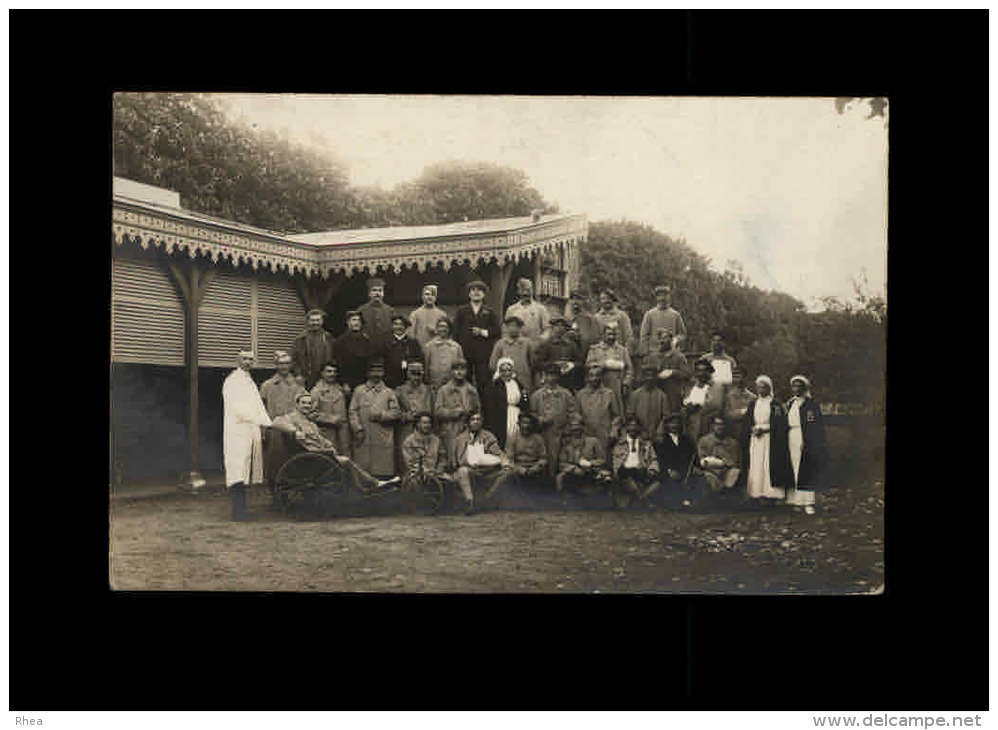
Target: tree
(458, 191)
(186, 143)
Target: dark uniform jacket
(354, 350)
(814, 459)
(309, 352)
(397, 351)
(561, 350)
(377, 322)
(494, 405)
(476, 349)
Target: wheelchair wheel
(310, 475)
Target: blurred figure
(650, 405)
(560, 350)
(704, 399)
(584, 328)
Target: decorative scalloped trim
(148, 230)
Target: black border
(922, 645)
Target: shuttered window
(239, 312)
(279, 317)
(225, 320)
(147, 316)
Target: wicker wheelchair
(318, 482)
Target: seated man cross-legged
(582, 460)
(635, 466)
(527, 452)
(720, 457)
(479, 457)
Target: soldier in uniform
(517, 348)
(723, 363)
(609, 313)
(451, 406)
(674, 372)
(552, 405)
(401, 350)
(533, 314)
(584, 328)
(650, 405)
(279, 390)
(720, 456)
(600, 407)
(635, 465)
(561, 350)
(440, 354)
(377, 315)
(354, 350)
(662, 315)
(615, 361)
(582, 460)
(311, 349)
(374, 409)
(422, 449)
(487, 446)
(330, 398)
(424, 319)
(703, 400)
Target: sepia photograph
(457, 344)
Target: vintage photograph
(498, 344)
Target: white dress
(759, 482)
(512, 410)
(795, 440)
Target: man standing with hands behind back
(477, 328)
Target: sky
(792, 190)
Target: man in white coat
(244, 414)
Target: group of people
(547, 402)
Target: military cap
(663, 289)
(706, 363)
(478, 284)
(513, 319)
(431, 287)
(353, 313)
(280, 355)
(375, 282)
(302, 394)
(609, 292)
(376, 363)
(316, 310)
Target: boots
(237, 493)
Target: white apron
(241, 442)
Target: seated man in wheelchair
(422, 453)
(300, 423)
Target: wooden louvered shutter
(225, 321)
(280, 316)
(147, 315)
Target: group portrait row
(564, 405)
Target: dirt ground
(188, 542)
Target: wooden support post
(499, 281)
(192, 280)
